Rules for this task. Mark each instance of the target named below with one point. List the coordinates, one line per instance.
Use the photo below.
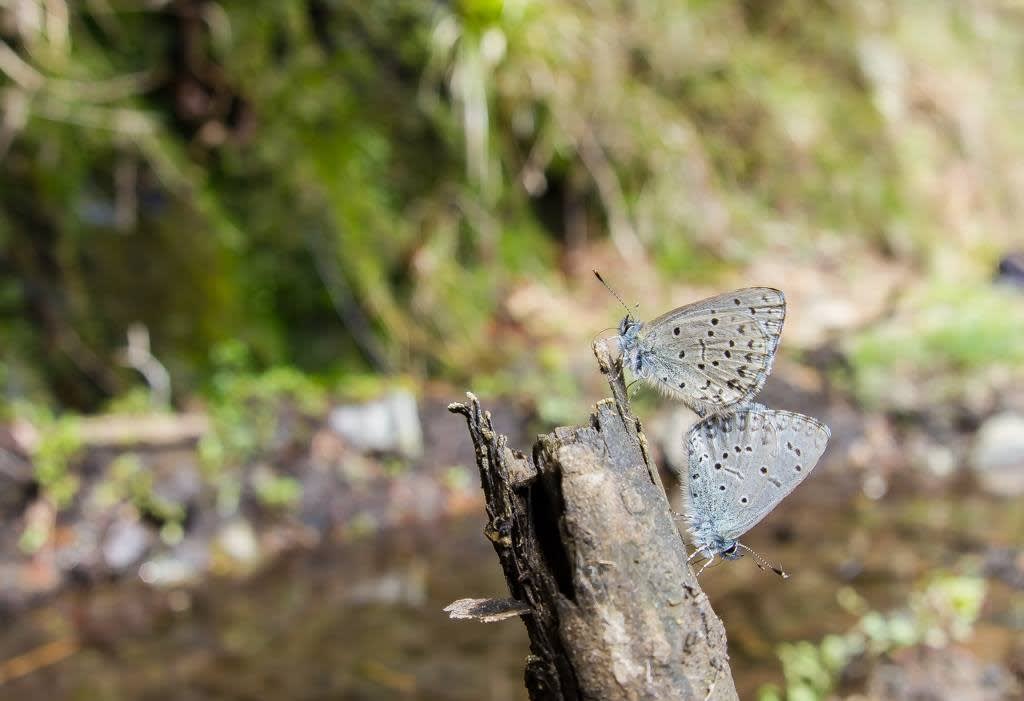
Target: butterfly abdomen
(705, 536)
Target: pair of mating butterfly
(744, 458)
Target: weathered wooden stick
(594, 562)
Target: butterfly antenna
(764, 564)
(614, 293)
(609, 328)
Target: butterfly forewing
(718, 352)
(742, 465)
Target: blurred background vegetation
(352, 188)
(307, 200)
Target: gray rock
(82, 550)
(926, 673)
(407, 586)
(177, 478)
(168, 571)
(125, 542)
(16, 474)
(237, 542)
(997, 455)
(183, 565)
(15, 481)
(389, 425)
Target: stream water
(363, 620)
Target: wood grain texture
(587, 539)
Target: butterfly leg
(630, 385)
(695, 553)
(705, 565)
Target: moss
(129, 481)
(943, 611)
(136, 401)
(56, 449)
(245, 411)
(277, 491)
(944, 337)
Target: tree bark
(594, 562)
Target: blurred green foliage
(54, 449)
(277, 491)
(129, 481)
(942, 612)
(942, 338)
(354, 187)
(254, 414)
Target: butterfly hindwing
(742, 465)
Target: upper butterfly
(713, 355)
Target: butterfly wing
(718, 352)
(744, 464)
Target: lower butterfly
(740, 467)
